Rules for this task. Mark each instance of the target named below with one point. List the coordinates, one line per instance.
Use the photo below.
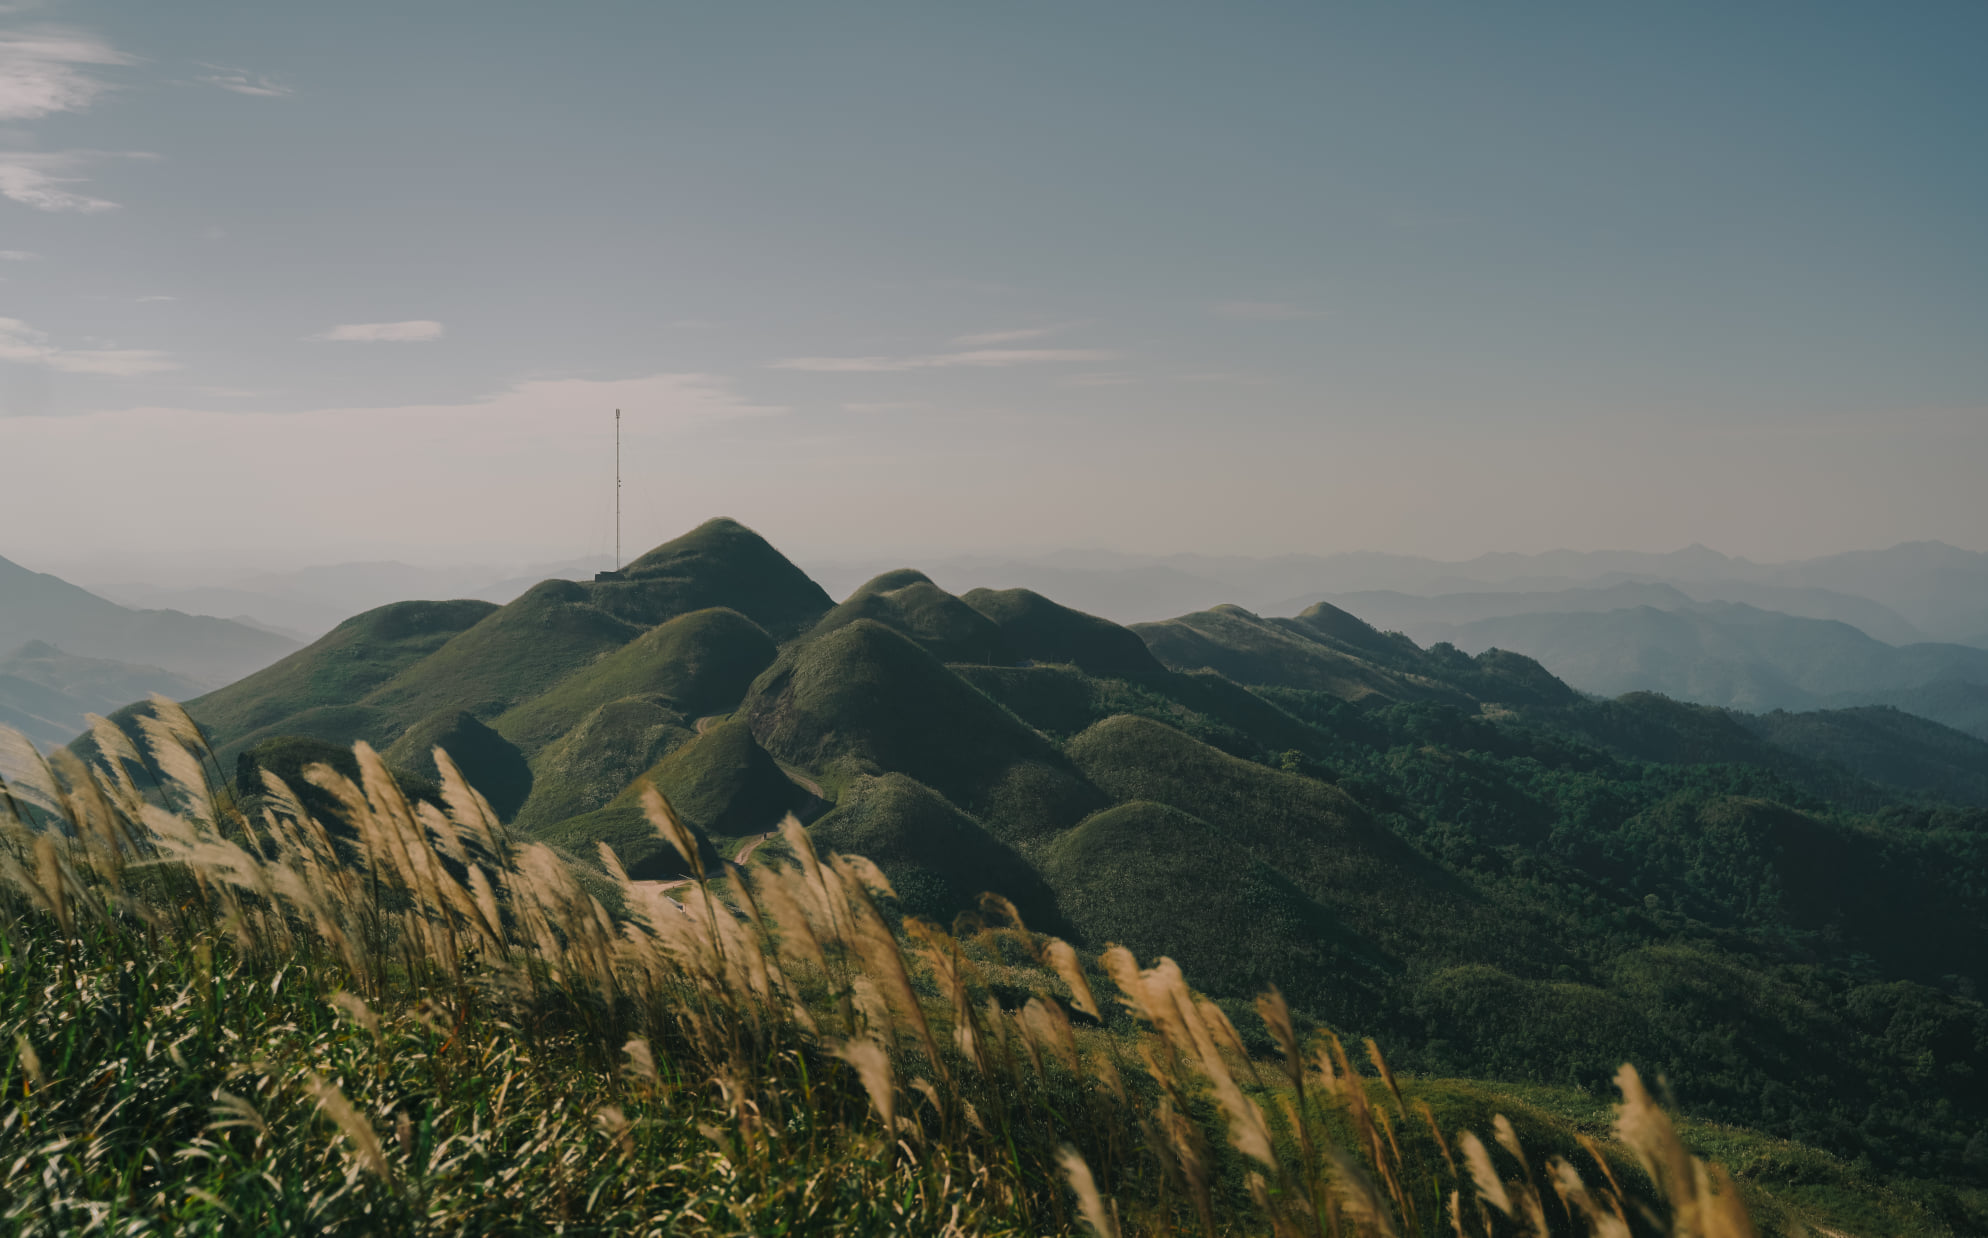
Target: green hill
(491, 763)
(1884, 745)
(336, 670)
(1327, 650)
(909, 604)
(719, 563)
(1042, 631)
(599, 757)
(383, 671)
(701, 662)
(864, 700)
(1163, 882)
(1311, 833)
(513, 654)
(721, 783)
(939, 859)
(1253, 650)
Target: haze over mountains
(1899, 627)
(1915, 591)
(1904, 627)
(307, 602)
(65, 652)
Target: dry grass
(239, 1017)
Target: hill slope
(335, 672)
(863, 700)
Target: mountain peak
(719, 563)
(718, 537)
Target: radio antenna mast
(614, 573)
(617, 489)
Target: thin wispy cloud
(887, 406)
(149, 300)
(1106, 379)
(1240, 380)
(418, 331)
(47, 70)
(22, 343)
(1262, 311)
(39, 179)
(981, 358)
(17, 255)
(986, 339)
(243, 82)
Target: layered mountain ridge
(1387, 832)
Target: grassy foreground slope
(431, 1026)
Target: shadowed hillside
(863, 699)
(722, 784)
(702, 663)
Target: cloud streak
(244, 83)
(23, 343)
(979, 358)
(418, 331)
(37, 179)
(986, 339)
(45, 71)
(1262, 311)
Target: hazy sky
(306, 282)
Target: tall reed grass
(237, 1015)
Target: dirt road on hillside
(744, 853)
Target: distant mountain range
(1916, 591)
(308, 602)
(65, 652)
(1637, 637)
(1694, 624)
(44, 692)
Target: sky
(291, 284)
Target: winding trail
(744, 853)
